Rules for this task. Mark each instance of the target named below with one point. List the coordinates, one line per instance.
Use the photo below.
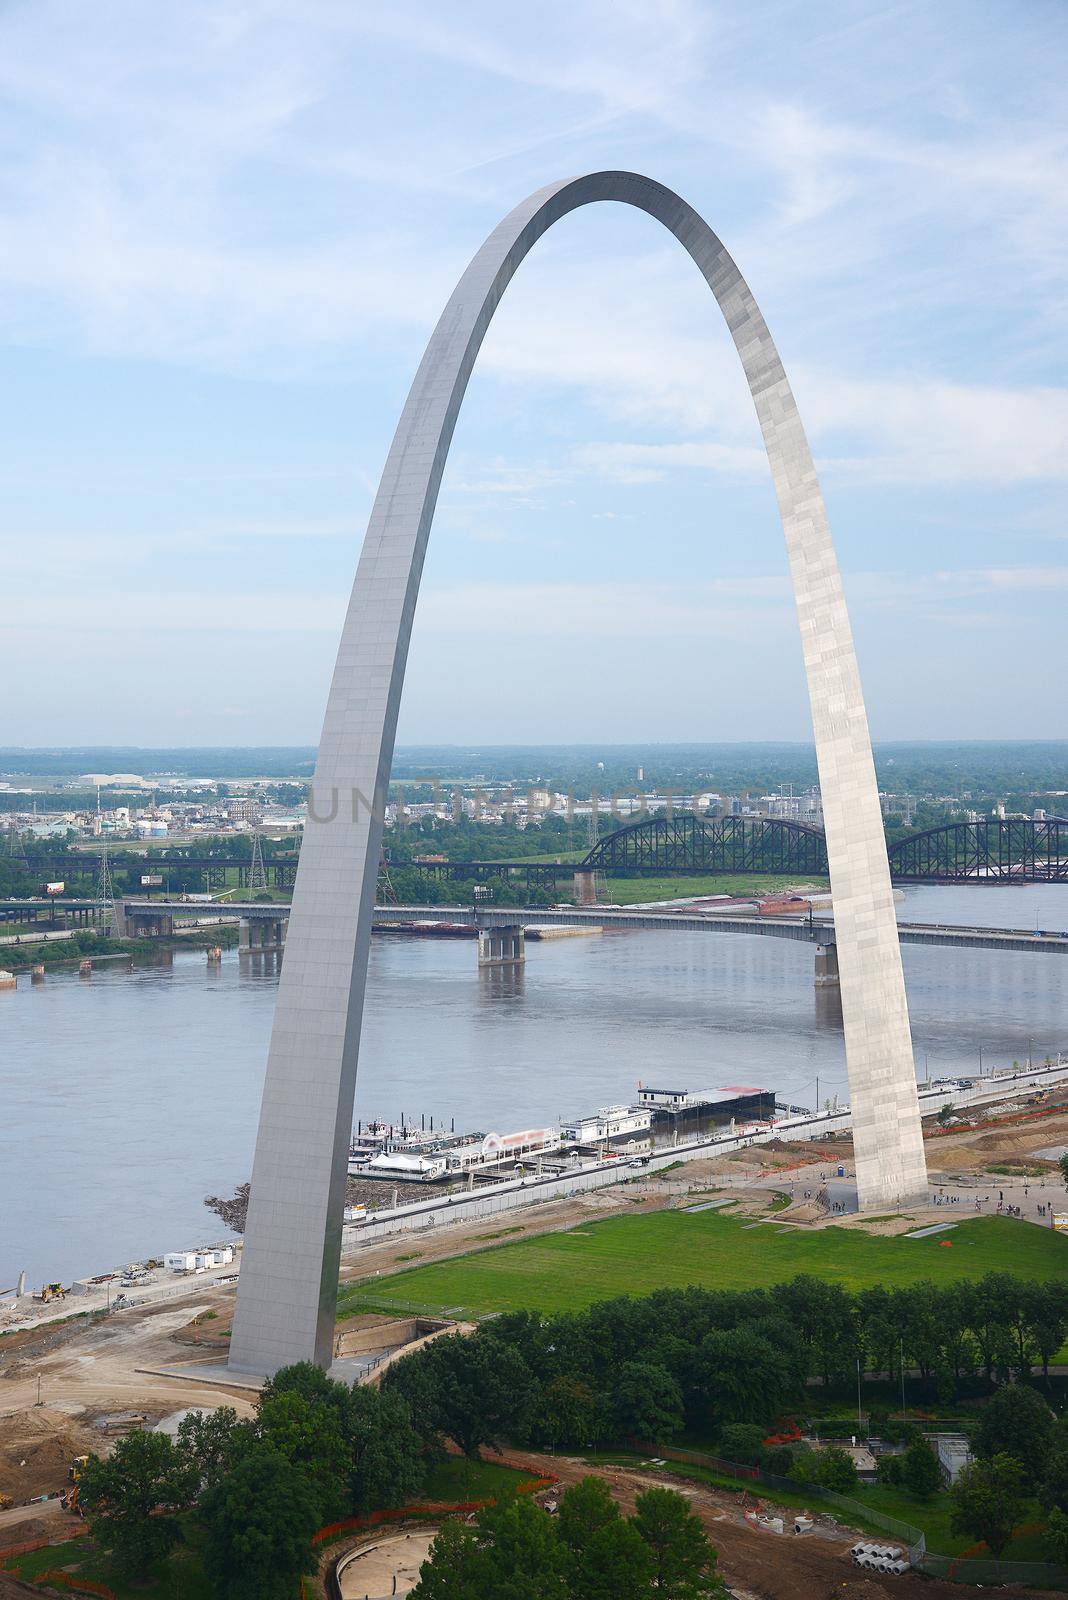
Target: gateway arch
(287, 1293)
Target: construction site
(78, 1380)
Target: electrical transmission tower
(385, 893)
(105, 894)
(593, 829)
(16, 845)
(257, 872)
(593, 836)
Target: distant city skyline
(225, 249)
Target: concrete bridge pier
(256, 934)
(501, 947)
(585, 888)
(827, 966)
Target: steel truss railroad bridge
(687, 846)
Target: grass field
(671, 1249)
(182, 1575)
(457, 1478)
(637, 891)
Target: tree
(385, 1459)
(617, 1564)
(521, 1557)
(1053, 1483)
(684, 1559)
(747, 1376)
(1057, 1536)
(987, 1501)
(310, 1382)
(585, 1508)
(829, 1469)
(645, 1402)
(607, 1559)
(568, 1413)
(1045, 1313)
(920, 1472)
(205, 1441)
(743, 1442)
(993, 1311)
(451, 1569)
(1016, 1422)
(824, 1316)
(310, 1435)
(132, 1500)
(476, 1390)
(259, 1521)
(1063, 1164)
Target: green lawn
(457, 1478)
(635, 891)
(672, 1249)
(182, 1574)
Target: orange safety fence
(27, 1547)
(71, 1580)
(423, 1508)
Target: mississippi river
(127, 1097)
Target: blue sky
(229, 228)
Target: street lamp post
(901, 1343)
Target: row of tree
(705, 1359)
(728, 1364)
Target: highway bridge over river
(263, 926)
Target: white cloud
(931, 431)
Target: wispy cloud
(230, 227)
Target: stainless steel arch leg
(288, 1287)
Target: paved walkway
(961, 1196)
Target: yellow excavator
(74, 1473)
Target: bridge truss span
(1013, 850)
(687, 844)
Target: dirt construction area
(75, 1388)
(757, 1564)
(93, 1375)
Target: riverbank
(33, 951)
